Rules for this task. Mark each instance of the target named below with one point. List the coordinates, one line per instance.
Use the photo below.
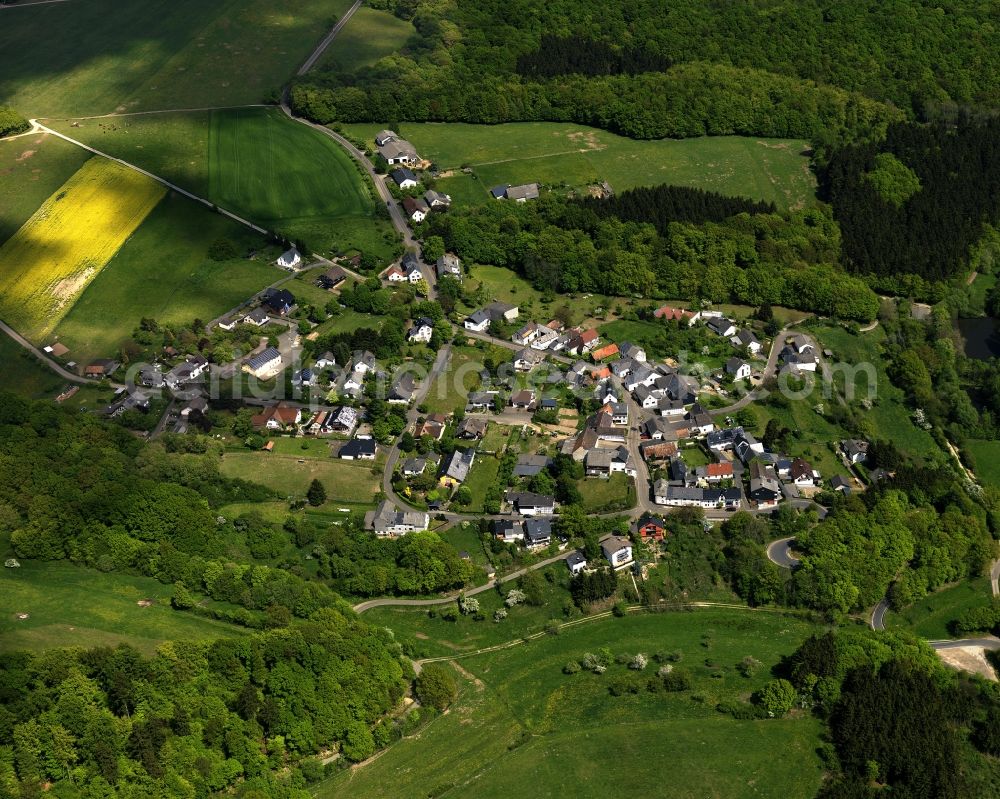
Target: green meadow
(69, 605)
(521, 727)
(98, 56)
(370, 35)
(929, 617)
(163, 272)
(280, 174)
(346, 482)
(567, 156)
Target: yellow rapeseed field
(46, 265)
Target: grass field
(95, 57)
(31, 169)
(163, 272)
(929, 617)
(64, 245)
(369, 36)
(598, 493)
(575, 156)
(451, 389)
(523, 728)
(255, 162)
(346, 482)
(987, 455)
(69, 605)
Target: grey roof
(538, 530)
(530, 465)
(525, 499)
(610, 546)
(576, 559)
(357, 447)
(403, 174)
(460, 463)
(528, 191)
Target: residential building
(343, 420)
(855, 450)
(398, 151)
(738, 369)
(632, 351)
(523, 400)
(360, 449)
(745, 340)
(528, 504)
(332, 278)
(677, 315)
(402, 390)
(404, 178)
(264, 363)
(102, 367)
(277, 416)
(617, 551)
(650, 526)
(529, 465)
(433, 425)
(436, 199)
(471, 429)
(597, 463)
(527, 359)
(289, 259)
(458, 466)
(721, 326)
(509, 530)
(576, 562)
(387, 520)
(449, 264)
(258, 317)
(413, 467)
(416, 209)
(538, 532)
(422, 330)
(278, 301)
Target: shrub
(677, 680)
(435, 686)
(514, 597)
(468, 604)
(748, 666)
(776, 698)
(500, 615)
(572, 667)
(638, 663)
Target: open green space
(370, 35)
(451, 390)
(987, 455)
(482, 477)
(256, 162)
(346, 482)
(163, 272)
(858, 356)
(564, 155)
(31, 169)
(96, 57)
(617, 492)
(930, 616)
(69, 605)
(522, 727)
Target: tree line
(578, 55)
(755, 259)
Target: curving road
(46, 360)
(780, 552)
(995, 577)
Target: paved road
(328, 39)
(769, 371)
(995, 577)
(878, 615)
(780, 552)
(986, 643)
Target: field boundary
(172, 186)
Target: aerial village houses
(386, 520)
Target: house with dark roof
(404, 178)
(576, 562)
(538, 532)
(457, 469)
(617, 551)
(508, 530)
(650, 526)
(529, 504)
(362, 449)
(264, 363)
(528, 465)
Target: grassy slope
(94, 57)
(559, 154)
(929, 617)
(164, 272)
(987, 455)
(585, 741)
(23, 374)
(31, 168)
(346, 482)
(255, 162)
(72, 606)
(369, 36)
(451, 390)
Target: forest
(880, 739)
(197, 718)
(820, 69)
(751, 258)
(916, 203)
